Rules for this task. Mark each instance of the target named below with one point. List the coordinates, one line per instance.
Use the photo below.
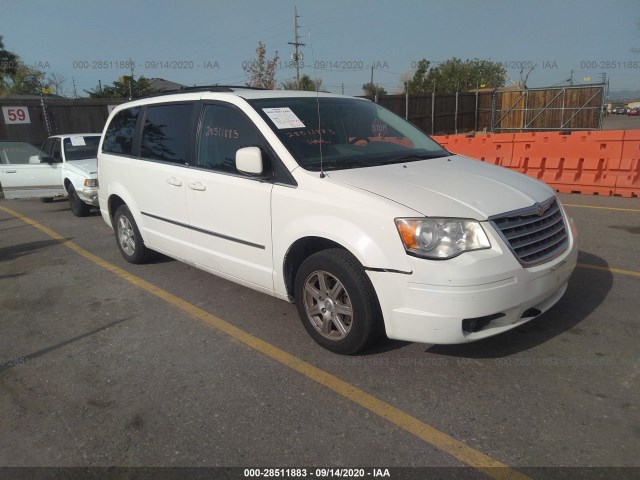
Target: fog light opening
(530, 313)
(473, 325)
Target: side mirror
(249, 160)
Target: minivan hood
(88, 166)
(452, 186)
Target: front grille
(535, 234)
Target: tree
(124, 87)
(455, 75)
(371, 90)
(16, 77)
(418, 83)
(306, 83)
(26, 81)
(262, 72)
(9, 62)
(56, 83)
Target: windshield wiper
(412, 158)
(338, 164)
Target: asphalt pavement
(103, 363)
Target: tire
(128, 238)
(337, 303)
(78, 207)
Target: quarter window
(165, 134)
(119, 135)
(223, 131)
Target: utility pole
(131, 80)
(75, 92)
(296, 55)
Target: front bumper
(89, 195)
(470, 297)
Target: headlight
(441, 238)
(90, 182)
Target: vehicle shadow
(95, 212)
(157, 258)
(12, 252)
(587, 289)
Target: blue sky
(206, 42)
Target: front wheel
(128, 236)
(78, 207)
(337, 303)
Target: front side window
(81, 147)
(223, 131)
(340, 133)
(15, 153)
(119, 135)
(165, 134)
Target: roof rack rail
(205, 88)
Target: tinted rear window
(165, 135)
(119, 135)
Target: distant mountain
(624, 95)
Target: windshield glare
(351, 133)
(81, 148)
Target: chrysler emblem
(540, 210)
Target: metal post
(455, 119)
(406, 101)
(564, 91)
(433, 105)
(475, 123)
(601, 112)
(493, 110)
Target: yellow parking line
(601, 208)
(397, 417)
(609, 269)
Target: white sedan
(65, 166)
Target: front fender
(368, 233)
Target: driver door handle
(10, 171)
(174, 181)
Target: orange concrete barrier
(491, 148)
(589, 162)
(628, 175)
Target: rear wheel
(78, 207)
(337, 303)
(128, 237)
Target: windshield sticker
(78, 142)
(283, 118)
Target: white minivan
(338, 205)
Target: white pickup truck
(65, 166)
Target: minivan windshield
(342, 133)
